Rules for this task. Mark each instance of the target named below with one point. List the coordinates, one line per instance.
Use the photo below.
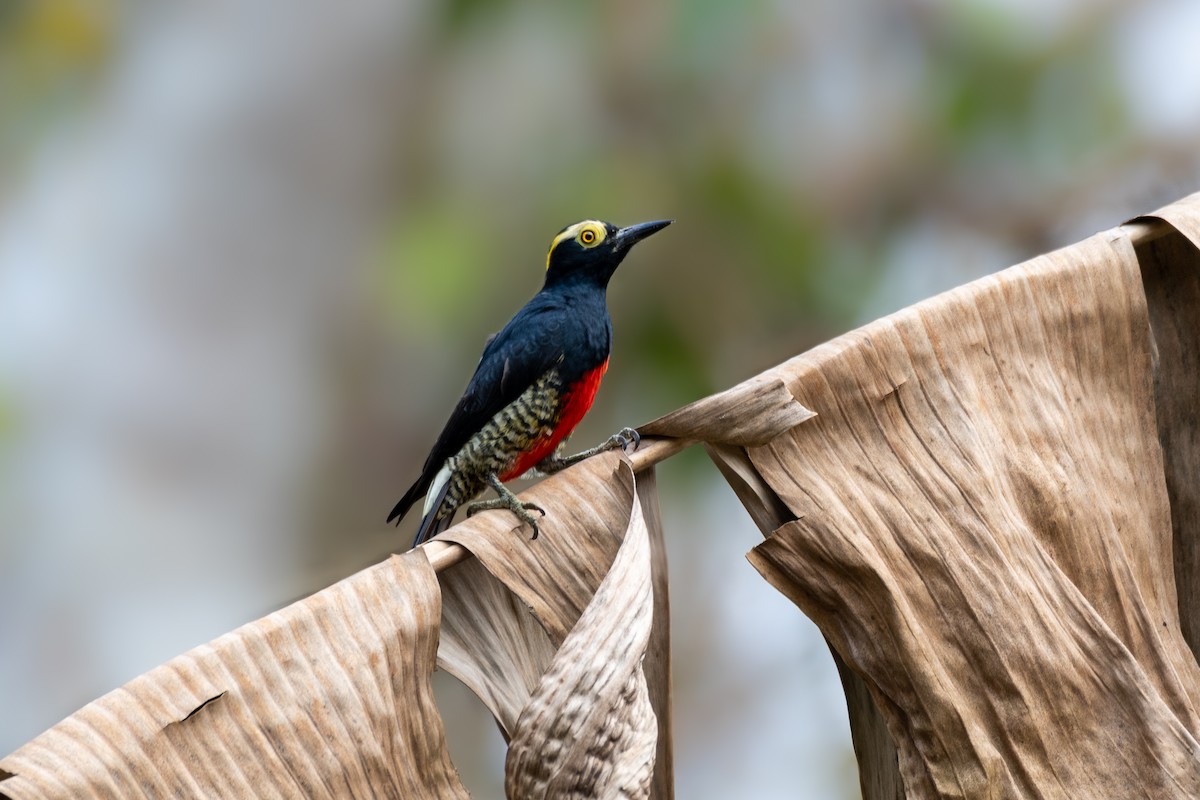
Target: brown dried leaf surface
(589, 730)
(982, 532)
(329, 697)
(752, 413)
(588, 510)
(1171, 276)
(490, 641)
(547, 583)
(657, 664)
(876, 752)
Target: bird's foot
(622, 439)
(508, 500)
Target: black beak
(626, 238)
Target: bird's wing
(529, 345)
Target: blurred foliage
(1033, 105)
(50, 53)
(673, 111)
(436, 257)
(8, 418)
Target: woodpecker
(535, 381)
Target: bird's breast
(577, 400)
(574, 401)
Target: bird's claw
(624, 438)
(528, 519)
(520, 510)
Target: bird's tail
(415, 491)
(431, 524)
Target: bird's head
(590, 251)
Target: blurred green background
(250, 251)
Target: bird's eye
(588, 236)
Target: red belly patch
(575, 403)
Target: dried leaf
(490, 641)
(328, 697)
(873, 745)
(589, 730)
(878, 761)
(1183, 215)
(752, 413)
(1171, 276)
(983, 533)
(555, 577)
(765, 507)
(657, 664)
